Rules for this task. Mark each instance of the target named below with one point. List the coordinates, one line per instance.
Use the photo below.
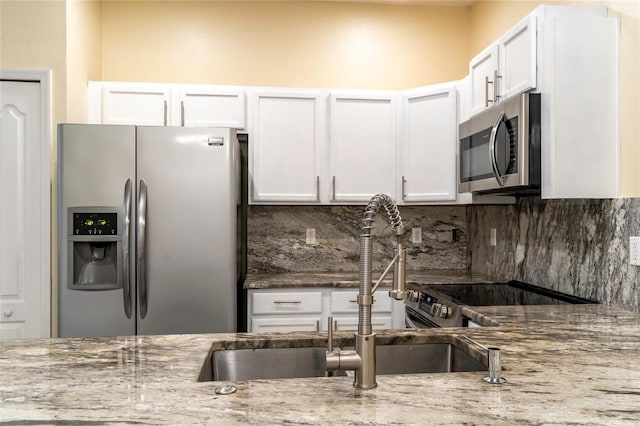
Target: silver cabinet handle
(492, 149)
(317, 325)
(329, 333)
(165, 112)
(141, 243)
(333, 188)
(495, 86)
(182, 113)
(353, 301)
(404, 182)
(486, 91)
(293, 302)
(7, 313)
(487, 82)
(317, 188)
(126, 283)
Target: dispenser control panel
(96, 224)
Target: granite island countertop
(571, 364)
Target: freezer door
(186, 219)
(94, 164)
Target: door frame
(43, 77)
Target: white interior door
(24, 213)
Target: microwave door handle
(492, 149)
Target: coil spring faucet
(363, 360)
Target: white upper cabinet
(517, 59)
(483, 70)
(428, 146)
(129, 103)
(362, 145)
(505, 68)
(207, 106)
(149, 104)
(287, 137)
(580, 109)
(510, 65)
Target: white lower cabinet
(284, 310)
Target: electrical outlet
(416, 235)
(634, 251)
(311, 236)
(493, 238)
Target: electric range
(438, 305)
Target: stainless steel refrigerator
(146, 230)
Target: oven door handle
(492, 149)
(409, 322)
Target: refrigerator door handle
(141, 248)
(126, 282)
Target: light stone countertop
(572, 364)
(350, 279)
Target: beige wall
(32, 36)
(84, 55)
(305, 44)
(489, 19)
(629, 14)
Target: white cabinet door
(428, 149)
(287, 146)
(517, 57)
(136, 104)
(483, 70)
(207, 106)
(362, 145)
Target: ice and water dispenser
(94, 247)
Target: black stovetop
(501, 294)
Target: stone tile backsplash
(276, 238)
(579, 247)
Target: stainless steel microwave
(499, 148)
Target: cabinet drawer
(346, 301)
(269, 324)
(378, 322)
(287, 302)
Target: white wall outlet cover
(493, 239)
(634, 251)
(416, 235)
(311, 236)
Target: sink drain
(226, 390)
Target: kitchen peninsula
(564, 364)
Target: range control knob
(440, 310)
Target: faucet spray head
(399, 290)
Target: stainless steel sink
(280, 363)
